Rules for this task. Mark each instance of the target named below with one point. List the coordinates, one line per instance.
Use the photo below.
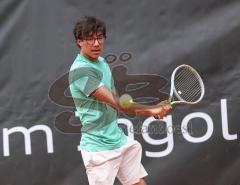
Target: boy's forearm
(137, 109)
(105, 95)
(140, 109)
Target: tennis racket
(186, 86)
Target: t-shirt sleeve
(113, 87)
(86, 79)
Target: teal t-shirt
(100, 130)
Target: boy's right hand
(164, 109)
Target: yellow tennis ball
(125, 100)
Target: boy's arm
(105, 95)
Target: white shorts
(124, 163)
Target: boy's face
(92, 46)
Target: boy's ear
(79, 42)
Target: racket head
(186, 85)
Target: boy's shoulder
(78, 63)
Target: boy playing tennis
(107, 152)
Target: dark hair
(87, 25)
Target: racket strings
(184, 77)
(190, 91)
(193, 89)
(187, 85)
